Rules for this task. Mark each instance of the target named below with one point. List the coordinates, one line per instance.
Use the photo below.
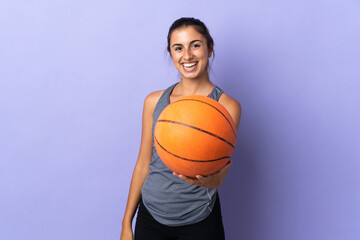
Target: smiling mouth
(189, 67)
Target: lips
(189, 67)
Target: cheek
(175, 59)
(204, 54)
(173, 56)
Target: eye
(196, 45)
(177, 48)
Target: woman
(172, 206)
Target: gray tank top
(169, 199)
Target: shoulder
(233, 107)
(153, 97)
(151, 100)
(230, 102)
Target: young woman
(172, 206)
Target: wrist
(126, 223)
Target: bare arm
(142, 168)
(233, 107)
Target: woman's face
(189, 52)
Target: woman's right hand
(126, 234)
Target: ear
(210, 50)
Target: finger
(179, 175)
(202, 181)
(200, 178)
(194, 181)
(183, 177)
(189, 180)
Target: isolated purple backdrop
(73, 78)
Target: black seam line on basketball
(211, 106)
(199, 129)
(187, 159)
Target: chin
(193, 75)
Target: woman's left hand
(211, 181)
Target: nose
(187, 54)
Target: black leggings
(211, 228)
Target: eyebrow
(181, 44)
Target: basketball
(195, 135)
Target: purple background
(73, 78)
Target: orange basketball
(195, 135)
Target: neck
(197, 86)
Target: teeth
(187, 65)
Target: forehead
(185, 35)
